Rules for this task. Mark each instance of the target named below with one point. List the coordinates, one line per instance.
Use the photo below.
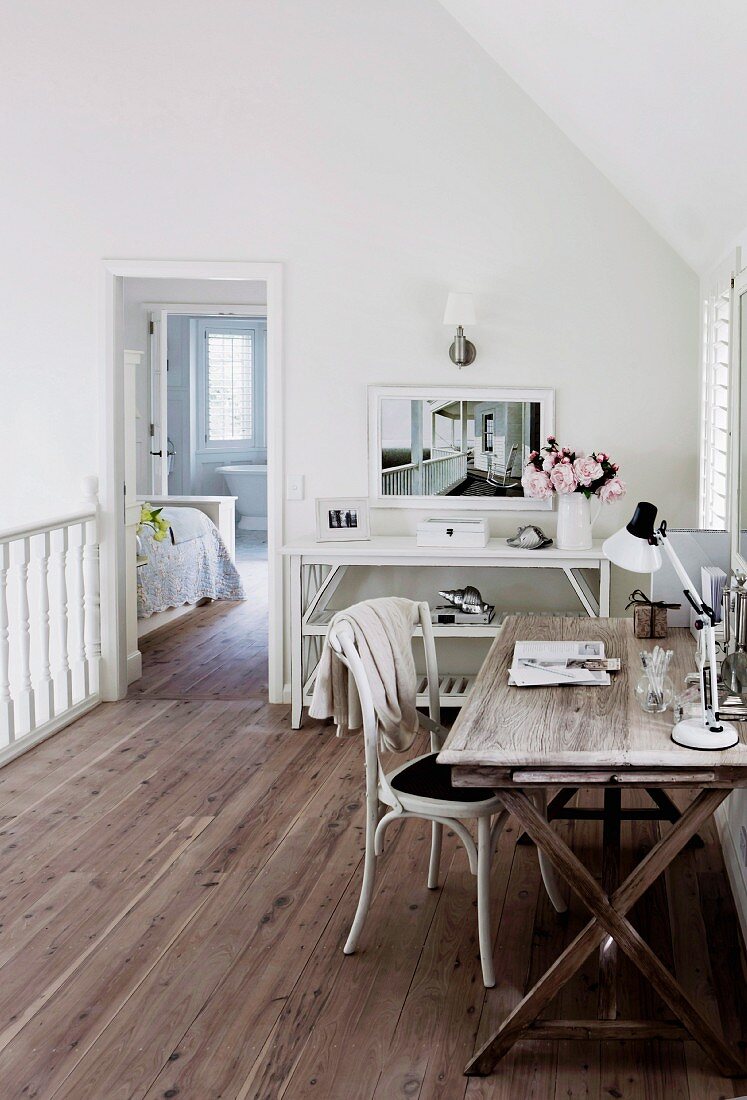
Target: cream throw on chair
(383, 637)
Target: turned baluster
(63, 681)
(80, 664)
(25, 699)
(45, 684)
(7, 725)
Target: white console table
(317, 568)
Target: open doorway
(200, 429)
(198, 346)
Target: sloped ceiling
(654, 92)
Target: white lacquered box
(453, 531)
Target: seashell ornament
(466, 599)
(530, 538)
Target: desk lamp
(638, 547)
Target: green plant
(151, 517)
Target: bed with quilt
(190, 564)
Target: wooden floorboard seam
(42, 998)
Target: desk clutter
(551, 664)
(655, 690)
(650, 618)
(465, 605)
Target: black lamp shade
(642, 523)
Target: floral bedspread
(185, 573)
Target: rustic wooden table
(517, 739)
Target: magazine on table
(544, 664)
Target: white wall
(385, 159)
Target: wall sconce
(460, 311)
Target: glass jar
(647, 698)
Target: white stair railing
(50, 635)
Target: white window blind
(230, 367)
(714, 405)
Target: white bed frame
(222, 511)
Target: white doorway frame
(111, 436)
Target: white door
(143, 445)
(132, 365)
(159, 402)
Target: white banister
(397, 481)
(443, 471)
(25, 700)
(80, 664)
(53, 623)
(63, 681)
(439, 473)
(45, 685)
(7, 724)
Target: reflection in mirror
(473, 448)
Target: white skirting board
(733, 866)
(253, 523)
(159, 619)
(134, 666)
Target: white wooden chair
(499, 472)
(422, 788)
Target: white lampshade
(627, 551)
(460, 309)
(635, 546)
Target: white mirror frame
(737, 397)
(546, 399)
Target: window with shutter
(714, 405)
(229, 361)
(230, 364)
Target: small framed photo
(342, 519)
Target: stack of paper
(541, 664)
(712, 585)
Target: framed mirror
(455, 447)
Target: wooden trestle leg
(608, 923)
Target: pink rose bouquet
(536, 483)
(563, 477)
(558, 469)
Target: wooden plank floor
(178, 874)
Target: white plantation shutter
(714, 406)
(230, 369)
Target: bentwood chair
(422, 788)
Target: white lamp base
(692, 734)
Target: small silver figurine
(530, 538)
(466, 599)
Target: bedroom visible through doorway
(197, 430)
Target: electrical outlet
(294, 487)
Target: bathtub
(249, 484)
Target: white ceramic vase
(576, 517)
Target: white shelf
(453, 689)
(317, 626)
(317, 568)
(403, 549)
